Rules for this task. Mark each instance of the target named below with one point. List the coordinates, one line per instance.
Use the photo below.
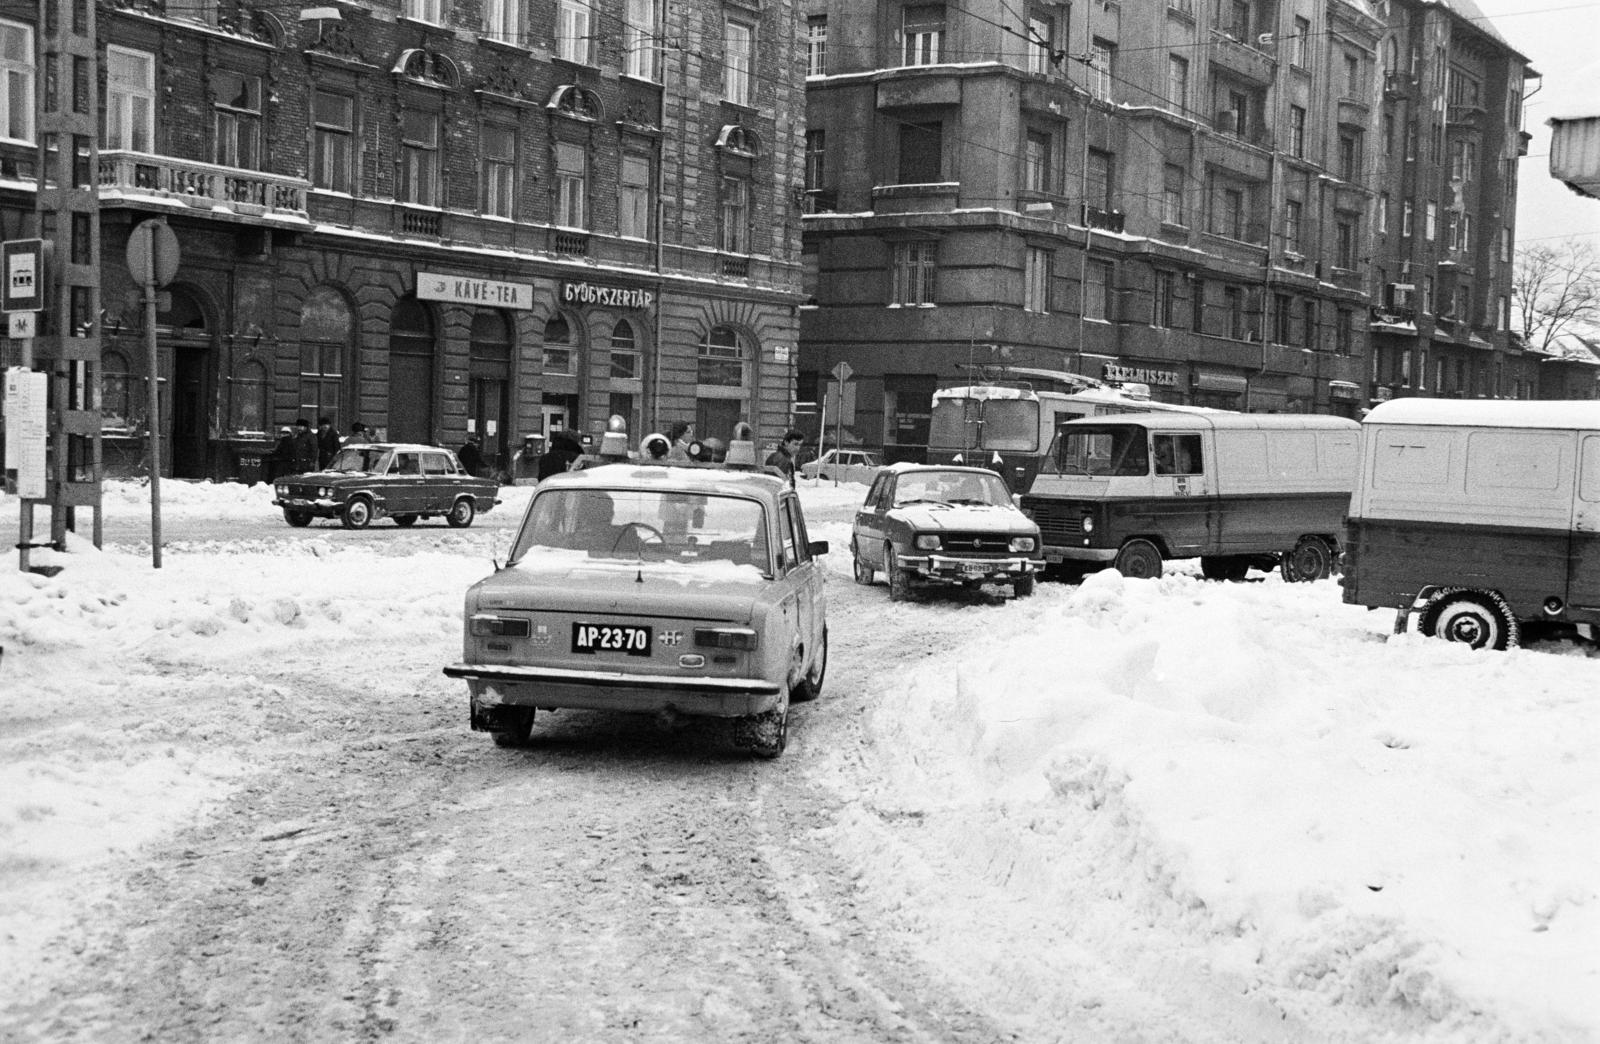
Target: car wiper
(921, 500)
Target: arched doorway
(182, 328)
(411, 353)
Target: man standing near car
(783, 458)
(305, 447)
(327, 441)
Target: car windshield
(1110, 450)
(657, 525)
(950, 487)
(367, 460)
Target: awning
(1220, 382)
(1344, 389)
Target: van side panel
(1390, 560)
(1273, 522)
(1477, 477)
(1583, 588)
(1285, 461)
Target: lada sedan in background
(937, 524)
(402, 481)
(678, 591)
(845, 465)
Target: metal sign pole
(153, 424)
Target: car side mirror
(817, 547)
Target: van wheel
(1139, 560)
(1224, 567)
(1311, 559)
(1474, 618)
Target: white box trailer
(1478, 517)
(1234, 489)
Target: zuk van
(1478, 520)
(1235, 490)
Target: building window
(1235, 119)
(1411, 142)
(1036, 281)
(1197, 306)
(1165, 299)
(1427, 294)
(16, 81)
(573, 19)
(639, 39)
(499, 170)
(1227, 216)
(1308, 325)
(735, 215)
(1041, 43)
(1343, 321)
(721, 362)
(1235, 18)
(238, 111)
(921, 145)
(1097, 289)
(1350, 155)
(327, 327)
(1282, 318)
(424, 10)
(557, 355)
(1233, 299)
(248, 398)
(924, 34)
(1466, 233)
(1293, 211)
(502, 20)
(1302, 42)
(914, 268)
(1388, 134)
(1036, 163)
(738, 62)
(116, 394)
(419, 158)
(817, 45)
(1099, 179)
(333, 123)
(572, 186)
(130, 100)
(1178, 83)
(1172, 194)
(1352, 75)
(633, 197)
(816, 159)
(1407, 216)
(1102, 68)
(626, 362)
(1430, 221)
(1382, 213)
(1344, 234)
(1464, 160)
(1297, 131)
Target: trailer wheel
(1311, 559)
(1139, 559)
(1477, 619)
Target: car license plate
(973, 569)
(598, 638)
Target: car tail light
(724, 638)
(487, 626)
(1022, 544)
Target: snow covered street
(238, 800)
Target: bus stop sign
(23, 289)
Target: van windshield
(1112, 449)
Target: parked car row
(685, 590)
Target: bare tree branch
(1557, 289)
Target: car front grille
(975, 543)
(1057, 521)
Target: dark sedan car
(403, 481)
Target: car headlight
(926, 542)
(1088, 523)
(1022, 544)
(325, 491)
(283, 491)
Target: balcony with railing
(229, 193)
(1242, 59)
(1094, 217)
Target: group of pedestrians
(299, 449)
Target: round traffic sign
(153, 252)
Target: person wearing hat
(564, 449)
(305, 448)
(471, 454)
(281, 460)
(327, 441)
(359, 435)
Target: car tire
(1477, 619)
(520, 727)
(297, 519)
(1022, 586)
(1139, 559)
(765, 735)
(461, 514)
(899, 579)
(1311, 559)
(865, 574)
(357, 513)
(810, 686)
(405, 521)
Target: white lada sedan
(668, 590)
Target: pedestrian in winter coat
(281, 460)
(471, 456)
(564, 449)
(327, 442)
(783, 458)
(681, 434)
(359, 435)
(305, 447)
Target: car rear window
(659, 525)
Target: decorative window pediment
(736, 138)
(429, 67)
(576, 102)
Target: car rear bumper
(955, 569)
(550, 688)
